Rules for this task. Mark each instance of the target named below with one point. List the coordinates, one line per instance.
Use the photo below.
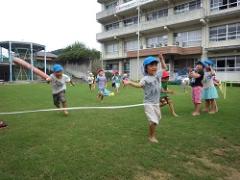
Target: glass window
(112, 26)
(156, 14)
(130, 21)
(223, 4)
(189, 6)
(232, 31)
(157, 41)
(221, 64)
(111, 48)
(111, 5)
(188, 39)
(230, 63)
(222, 32)
(225, 32)
(130, 45)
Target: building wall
(199, 19)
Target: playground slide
(29, 66)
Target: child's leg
(207, 105)
(171, 107)
(64, 105)
(152, 132)
(63, 101)
(215, 105)
(197, 91)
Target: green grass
(112, 144)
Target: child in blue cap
(151, 84)
(58, 81)
(209, 93)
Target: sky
(54, 23)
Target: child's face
(199, 67)
(101, 73)
(152, 68)
(166, 79)
(58, 74)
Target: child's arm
(72, 83)
(212, 71)
(133, 84)
(168, 91)
(194, 75)
(162, 61)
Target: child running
(151, 83)
(90, 80)
(58, 81)
(209, 91)
(164, 98)
(101, 81)
(196, 77)
(117, 80)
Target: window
(157, 41)
(231, 63)
(157, 14)
(188, 39)
(223, 4)
(112, 26)
(225, 32)
(130, 45)
(111, 48)
(130, 21)
(189, 6)
(111, 5)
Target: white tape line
(71, 108)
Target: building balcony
(172, 21)
(108, 14)
(229, 44)
(226, 13)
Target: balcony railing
(147, 25)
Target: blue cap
(209, 62)
(57, 68)
(149, 60)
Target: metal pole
(45, 60)
(10, 62)
(138, 33)
(31, 48)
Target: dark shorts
(59, 98)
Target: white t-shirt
(59, 85)
(90, 79)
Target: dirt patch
(153, 175)
(231, 173)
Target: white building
(184, 30)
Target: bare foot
(211, 112)
(153, 140)
(175, 115)
(65, 113)
(195, 114)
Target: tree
(78, 52)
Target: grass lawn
(113, 144)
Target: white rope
(71, 108)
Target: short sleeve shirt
(208, 80)
(101, 81)
(151, 86)
(59, 85)
(197, 81)
(164, 87)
